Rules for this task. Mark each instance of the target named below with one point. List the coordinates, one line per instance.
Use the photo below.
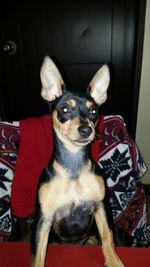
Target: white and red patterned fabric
(123, 167)
(9, 137)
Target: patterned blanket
(9, 136)
(123, 167)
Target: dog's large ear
(52, 82)
(99, 85)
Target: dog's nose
(85, 131)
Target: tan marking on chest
(62, 190)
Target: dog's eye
(65, 110)
(93, 111)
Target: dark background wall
(80, 36)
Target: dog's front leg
(110, 255)
(39, 241)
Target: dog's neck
(72, 161)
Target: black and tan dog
(71, 190)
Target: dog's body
(71, 190)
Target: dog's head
(74, 116)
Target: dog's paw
(118, 263)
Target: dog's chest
(62, 191)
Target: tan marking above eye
(71, 103)
(89, 104)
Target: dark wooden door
(80, 36)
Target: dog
(71, 190)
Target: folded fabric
(35, 148)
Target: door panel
(80, 36)
(68, 31)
